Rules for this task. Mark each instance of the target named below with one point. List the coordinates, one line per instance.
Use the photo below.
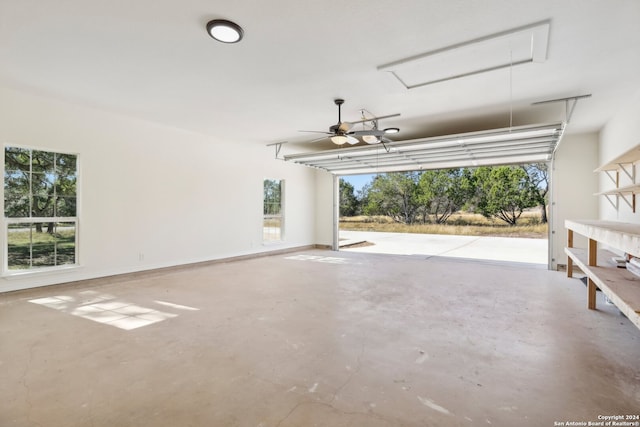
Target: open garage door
(518, 145)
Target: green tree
(504, 192)
(348, 201)
(272, 197)
(443, 192)
(539, 175)
(363, 198)
(39, 184)
(394, 195)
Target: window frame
(280, 216)
(6, 222)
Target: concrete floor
(510, 249)
(317, 338)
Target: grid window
(40, 209)
(273, 219)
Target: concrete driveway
(506, 249)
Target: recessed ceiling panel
(513, 47)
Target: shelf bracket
(614, 180)
(630, 203)
(615, 205)
(631, 174)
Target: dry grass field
(461, 223)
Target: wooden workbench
(619, 285)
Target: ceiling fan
(342, 132)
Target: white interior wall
(620, 134)
(324, 205)
(151, 196)
(574, 183)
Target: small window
(40, 209)
(273, 219)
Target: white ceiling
(153, 59)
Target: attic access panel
(517, 145)
(517, 46)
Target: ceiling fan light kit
(341, 132)
(339, 139)
(343, 139)
(370, 139)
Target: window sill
(10, 275)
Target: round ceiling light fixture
(391, 130)
(370, 139)
(339, 139)
(225, 31)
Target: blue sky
(358, 181)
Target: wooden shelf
(628, 157)
(618, 284)
(628, 189)
(625, 163)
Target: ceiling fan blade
(371, 119)
(345, 126)
(322, 138)
(372, 132)
(316, 131)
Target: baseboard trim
(123, 277)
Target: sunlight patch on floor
(109, 310)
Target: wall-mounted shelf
(626, 158)
(628, 189)
(627, 193)
(625, 163)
